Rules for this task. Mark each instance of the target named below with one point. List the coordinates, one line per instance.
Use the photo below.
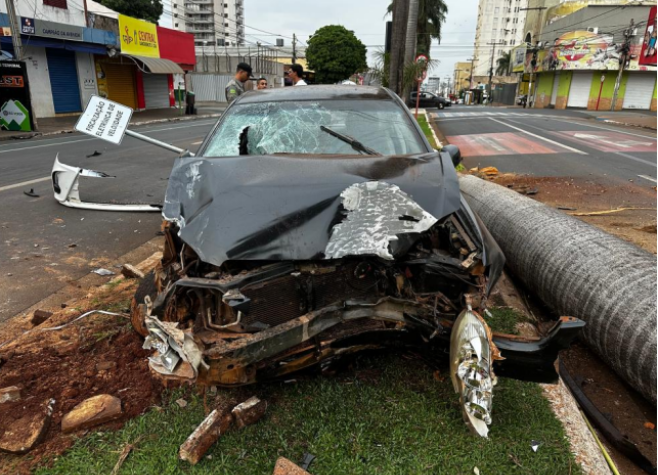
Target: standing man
(235, 86)
(295, 73)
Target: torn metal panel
(65, 180)
(376, 214)
(173, 345)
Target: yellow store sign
(138, 37)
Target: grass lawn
(385, 414)
(427, 130)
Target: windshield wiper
(356, 145)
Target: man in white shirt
(295, 73)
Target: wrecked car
(317, 222)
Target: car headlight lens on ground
(471, 370)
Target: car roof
(316, 93)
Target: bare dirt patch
(99, 354)
(579, 195)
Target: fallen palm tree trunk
(580, 271)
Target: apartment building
(500, 22)
(213, 22)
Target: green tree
(335, 53)
(431, 16)
(149, 10)
(503, 64)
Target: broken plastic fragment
(103, 271)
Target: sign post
(108, 120)
(421, 60)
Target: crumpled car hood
(308, 207)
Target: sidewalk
(644, 119)
(58, 125)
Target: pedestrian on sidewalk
(261, 84)
(295, 73)
(235, 87)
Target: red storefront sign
(178, 47)
(648, 53)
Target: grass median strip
(386, 414)
(425, 126)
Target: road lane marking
(566, 147)
(25, 183)
(603, 128)
(197, 143)
(64, 142)
(648, 178)
(653, 164)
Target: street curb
(133, 124)
(438, 142)
(616, 122)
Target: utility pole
(470, 79)
(623, 57)
(491, 69)
(294, 48)
(15, 30)
(398, 34)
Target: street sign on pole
(104, 119)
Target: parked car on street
(428, 99)
(318, 222)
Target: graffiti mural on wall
(648, 52)
(576, 50)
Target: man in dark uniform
(235, 86)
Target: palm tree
(503, 64)
(431, 16)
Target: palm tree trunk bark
(411, 37)
(400, 17)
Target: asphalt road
(550, 143)
(45, 246)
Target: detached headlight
(471, 370)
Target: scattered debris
(24, 434)
(566, 208)
(40, 316)
(534, 191)
(131, 272)
(106, 365)
(307, 460)
(648, 425)
(286, 467)
(249, 412)
(534, 444)
(31, 193)
(206, 434)
(650, 228)
(103, 271)
(95, 154)
(92, 412)
(72, 245)
(486, 171)
(611, 211)
(476, 471)
(182, 403)
(12, 393)
(122, 458)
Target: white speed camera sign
(104, 119)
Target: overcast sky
(366, 18)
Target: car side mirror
(454, 153)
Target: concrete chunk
(249, 412)
(40, 316)
(286, 467)
(24, 434)
(206, 434)
(92, 412)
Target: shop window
(55, 3)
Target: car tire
(147, 287)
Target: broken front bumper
(65, 179)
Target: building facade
(581, 49)
(212, 22)
(462, 76)
(67, 63)
(500, 22)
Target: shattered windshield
(296, 128)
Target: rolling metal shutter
(579, 92)
(639, 90)
(121, 84)
(156, 91)
(556, 84)
(64, 83)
